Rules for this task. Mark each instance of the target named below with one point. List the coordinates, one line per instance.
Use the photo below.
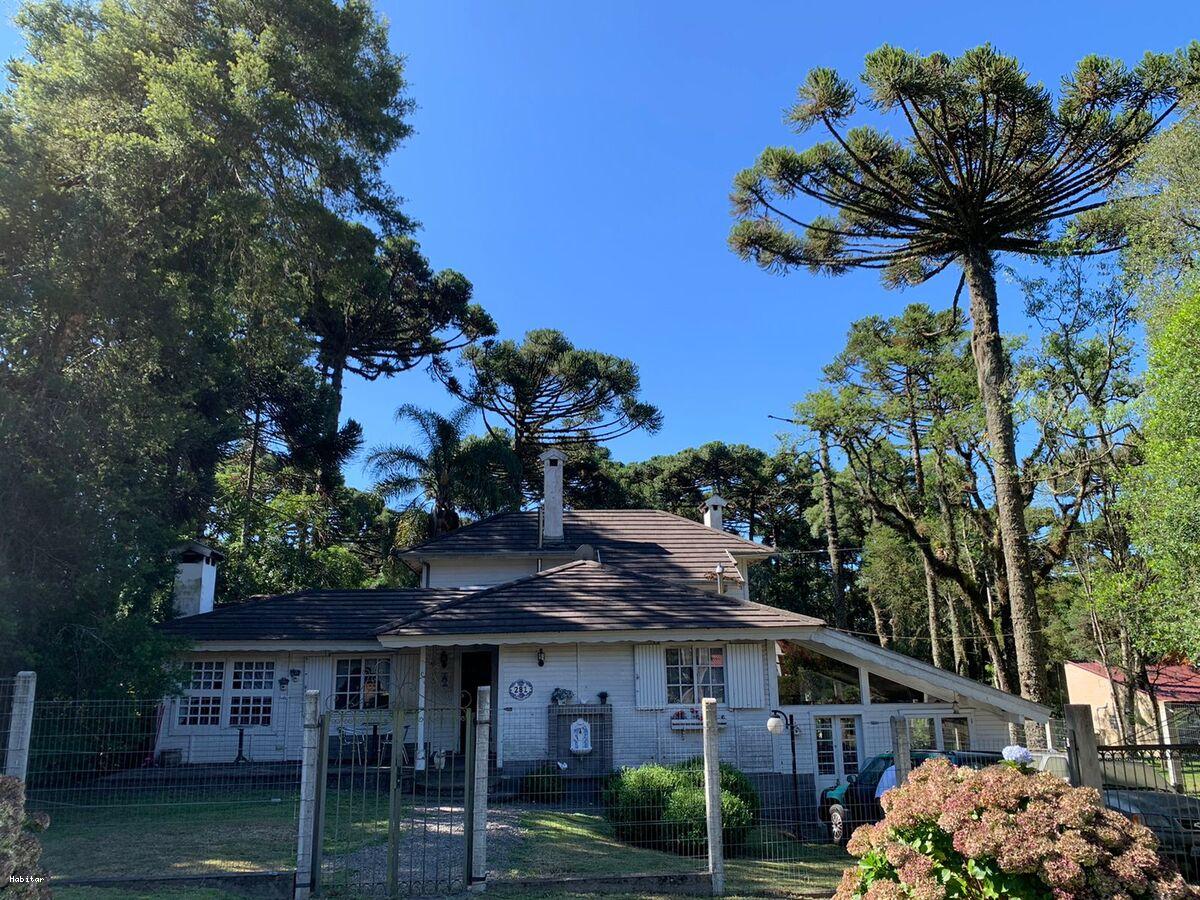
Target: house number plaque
(520, 689)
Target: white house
(646, 610)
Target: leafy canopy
(989, 162)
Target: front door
(836, 750)
(476, 673)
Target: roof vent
(714, 509)
(552, 496)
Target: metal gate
(394, 802)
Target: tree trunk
(255, 436)
(841, 616)
(932, 602)
(881, 624)
(995, 391)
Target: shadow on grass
(561, 844)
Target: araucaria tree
(989, 162)
(547, 392)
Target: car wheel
(839, 828)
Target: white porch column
(420, 763)
(864, 686)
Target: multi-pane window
(849, 746)
(695, 673)
(208, 675)
(956, 733)
(250, 710)
(253, 675)
(202, 705)
(362, 683)
(826, 758)
(837, 740)
(201, 710)
(922, 733)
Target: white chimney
(552, 496)
(195, 578)
(714, 515)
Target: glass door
(837, 756)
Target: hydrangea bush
(1001, 832)
(21, 872)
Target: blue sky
(574, 161)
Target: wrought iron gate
(394, 802)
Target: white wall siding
(466, 571)
(639, 735)
(744, 675)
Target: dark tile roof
(313, 615)
(646, 541)
(587, 596)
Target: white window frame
(695, 666)
(363, 659)
(938, 737)
(254, 695)
(207, 681)
(224, 696)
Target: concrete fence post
(712, 795)
(479, 792)
(20, 725)
(308, 794)
(1083, 759)
(901, 749)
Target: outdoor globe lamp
(776, 724)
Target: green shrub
(20, 852)
(685, 817)
(636, 800)
(662, 807)
(733, 780)
(544, 784)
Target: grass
(94, 893)
(580, 844)
(232, 832)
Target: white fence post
(901, 749)
(479, 804)
(308, 794)
(20, 725)
(1083, 759)
(712, 795)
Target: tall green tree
(448, 472)
(989, 163)
(165, 168)
(547, 392)
(1163, 498)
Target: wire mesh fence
(392, 803)
(7, 686)
(125, 802)
(1158, 785)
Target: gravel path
(432, 852)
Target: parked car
(851, 803)
(1140, 791)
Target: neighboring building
(650, 610)
(1169, 711)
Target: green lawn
(231, 832)
(579, 844)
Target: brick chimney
(195, 578)
(552, 496)
(714, 512)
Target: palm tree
(450, 471)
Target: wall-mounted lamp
(541, 657)
(283, 683)
(444, 659)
